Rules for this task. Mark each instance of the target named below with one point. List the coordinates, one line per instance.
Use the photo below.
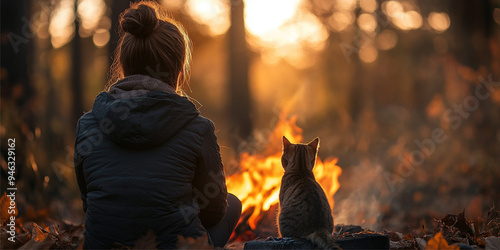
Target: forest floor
(450, 232)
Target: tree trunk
(117, 7)
(239, 91)
(76, 76)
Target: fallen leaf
(69, 236)
(481, 242)
(493, 214)
(38, 233)
(409, 236)
(5, 243)
(4, 208)
(45, 244)
(459, 221)
(438, 242)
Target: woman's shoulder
(86, 124)
(87, 119)
(201, 125)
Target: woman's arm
(209, 184)
(80, 178)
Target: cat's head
(297, 156)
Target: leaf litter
(450, 232)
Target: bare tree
(76, 73)
(117, 7)
(239, 91)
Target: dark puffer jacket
(145, 159)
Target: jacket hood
(143, 116)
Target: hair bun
(139, 22)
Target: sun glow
(283, 29)
(90, 12)
(212, 13)
(279, 29)
(263, 16)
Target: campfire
(257, 184)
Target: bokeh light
(172, 4)
(340, 20)
(90, 13)
(367, 22)
(41, 23)
(407, 6)
(62, 26)
(403, 14)
(368, 54)
(392, 8)
(387, 39)
(496, 15)
(323, 6)
(368, 5)
(416, 20)
(345, 4)
(101, 37)
(286, 33)
(439, 21)
(212, 13)
(263, 16)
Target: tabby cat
(304, 209)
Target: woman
(144, 157)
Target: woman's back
(144, 158)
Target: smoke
(358, 200)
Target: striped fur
(304, 209)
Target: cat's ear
(314, 144)
(286, 143)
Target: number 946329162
(11, 161)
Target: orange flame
(257, 184)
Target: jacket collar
(138, 85)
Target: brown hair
(151, 43)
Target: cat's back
(304, 207)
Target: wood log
(345, 241)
